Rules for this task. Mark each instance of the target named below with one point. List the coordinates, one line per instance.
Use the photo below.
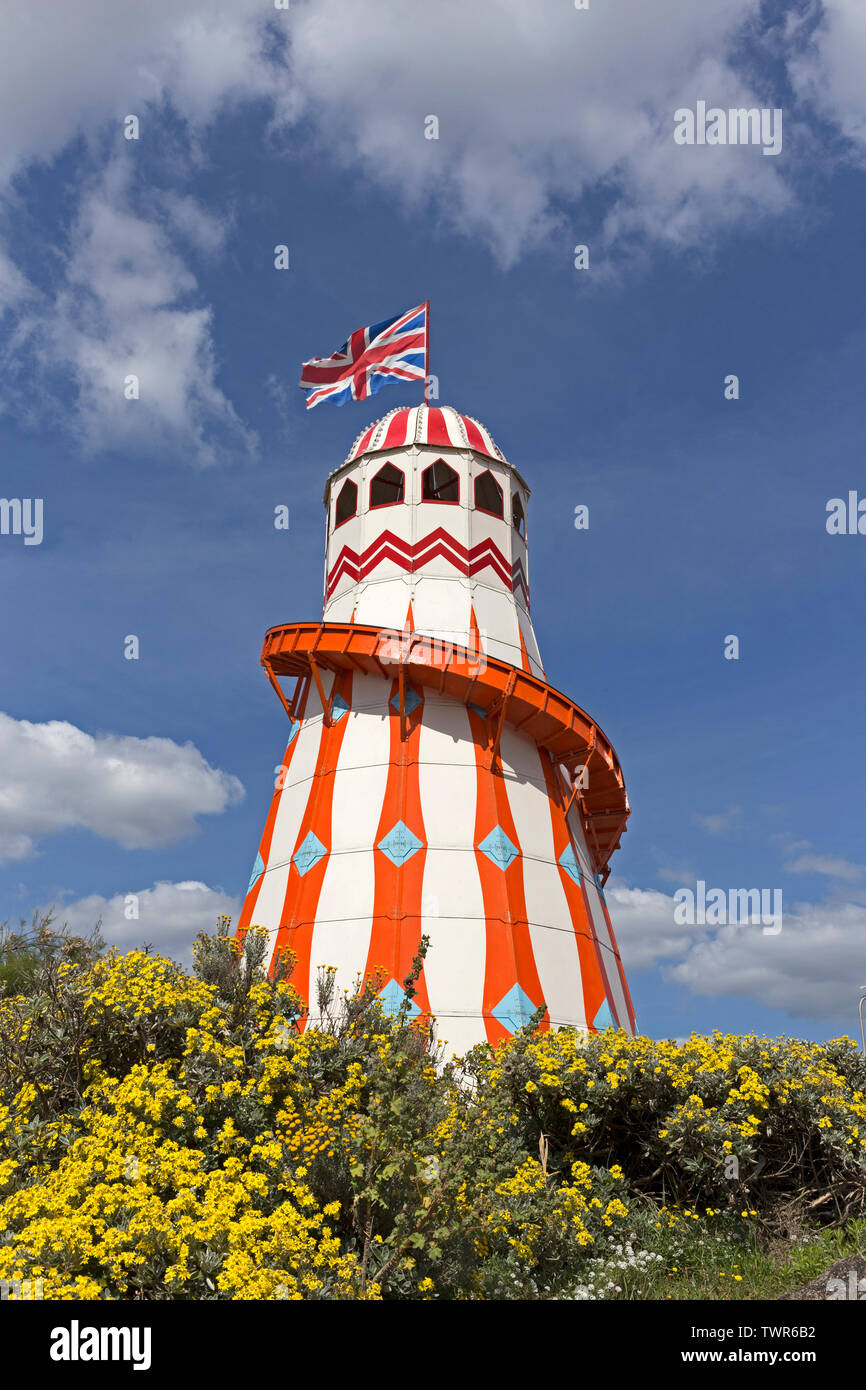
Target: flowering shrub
(167, 1135)
(718, 1122)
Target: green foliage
(25, 950)
(724, 1120)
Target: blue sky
(604, 387)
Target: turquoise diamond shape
(393, 996)
(400, 844)
(514, 1009)
(604, 1018)
(499, 848)
(258, 868)
(568, 862)
(411, 700)
(479, 710)
(338, 708)
(296, 724)
(308, 854)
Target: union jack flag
(393, 350)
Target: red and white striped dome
(443, 427)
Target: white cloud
(90, 65)
(718, 822)
(553, 123)
(829, 71)
(789, 844)
(676, 873)
(538, 105)
(812, 968)
(14, 287)
(801, 857)
(833, 866)
(201, 228)
(126, 307)
(643, 921)
(170, 916)
(139, 793)
(128, 303)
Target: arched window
(518, 519)
(387, 487)
(347, 503)
(439, 483)
(488, 494)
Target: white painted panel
(619, 1003)
(339, 608)
(597, 916)
(505, 651)
(384, 602)
(496, 615)
(444, 516)
(603, 937)
(370, 695)
(558, 965)
(460, 1032)
(530, 642)
(344, 942)
(300, 771)
(347, 536)
(441, 606)
(520, 760)
(583, 857)
(551, 930)
(347, 897)
(482, 525)
(452, 902)
(396, 518)
(290, 813)
(359, 783)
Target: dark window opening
(517, 517)
(387, 487)
(439, 483)
(347, 503)
(488, 494)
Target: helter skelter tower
(434, 782)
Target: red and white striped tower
(434, 783)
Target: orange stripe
(298, 916)
(596, 987)
(396, 926)
(509, 957)
(523, 657)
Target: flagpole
(427, 358)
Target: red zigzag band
(439, 544)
